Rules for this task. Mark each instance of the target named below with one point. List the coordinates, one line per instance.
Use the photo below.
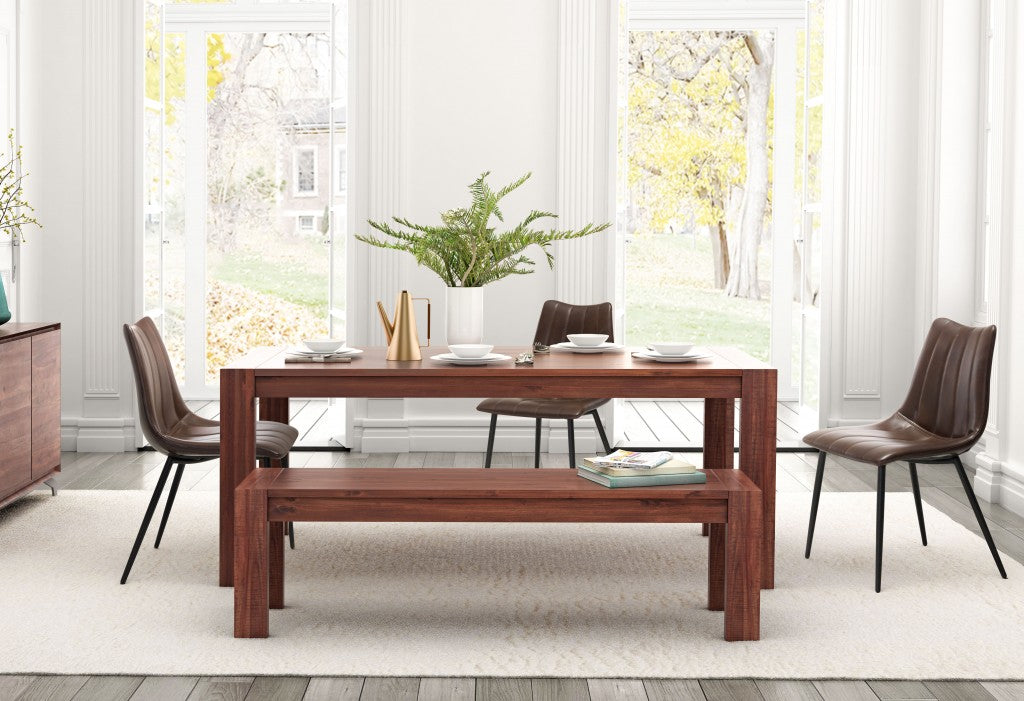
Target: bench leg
(251, 577)
(716, 566)
(276, 574)
(743, 566)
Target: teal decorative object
(5, 312)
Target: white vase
(465, 315)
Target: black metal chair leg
(815, 496)
(879, 527)
(572, 445)
(147, 518)
(977, 513)
(170, 503)
(490, 440)
(601, 433)
(917, 501)
(536, 447)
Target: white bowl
(323, 345)
(470, 350)
(672, 348)
(588, 340)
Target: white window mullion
(196, 198)
(784, 211)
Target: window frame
(296, 151)
(341, 169)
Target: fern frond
(465, 250)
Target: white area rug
(502, 599)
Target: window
(305, 171)
(241, 100)
(341, 172)
(709, 237)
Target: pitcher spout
(389, 326)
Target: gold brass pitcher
(403, 340)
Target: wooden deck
(675, 423)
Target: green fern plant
(465, 250)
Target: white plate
(311, 354)
(485, 360)
(658, 357)
(570, 346)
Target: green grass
(300, 277)
(670, 296)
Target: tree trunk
(743, 281)
(719, 253)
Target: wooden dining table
(261, 383)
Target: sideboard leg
(52, 485)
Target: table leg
(237, 453)
(719, 424)
(276, 564)
(274, 409)
(252, 612)
(743, 567)
(757, 454)
(716, 567)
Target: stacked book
(626, 468)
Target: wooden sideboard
(29, 407)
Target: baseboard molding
(89, 435)
(466, 435)
(998, 482)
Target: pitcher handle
(427, 300)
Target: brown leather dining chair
(175, 431)
(557, 321)
(943, 416)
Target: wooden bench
(268, 497)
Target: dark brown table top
(724, 361)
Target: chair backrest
(949, 393)
(160, 402)
(558, 319)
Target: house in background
(312, 167)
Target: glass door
(808, 244)
(709, 184)
(245, 211)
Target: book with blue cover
(697, 477)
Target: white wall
(1000, 460)
(871, 126)
(77, 81)
(483, 89)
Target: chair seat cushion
(540, 408)
(894, 438)
(196, 437)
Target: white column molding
(865, 202)
(929, 163)
(999, 476)
(376, 41)
(375, 189)
(575, 269)
(108, 180)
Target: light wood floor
(940, 488)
